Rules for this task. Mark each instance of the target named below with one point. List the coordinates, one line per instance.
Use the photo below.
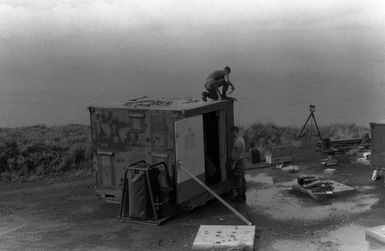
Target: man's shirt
(217, 75)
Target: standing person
(237, 167)
(215, 80)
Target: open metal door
(189, 150)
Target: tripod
(311, 116)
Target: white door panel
(189, 145)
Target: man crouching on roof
(215, 80)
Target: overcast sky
(63, 43)
(166, 33)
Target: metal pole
(319, 133)
(239, 215)
(311, 130)
(299, 135)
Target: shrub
(264, 136)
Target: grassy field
(41, 151)
(37, 151)
(266, 135)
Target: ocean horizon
(280, 99)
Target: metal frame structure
(311, 116)
(154, 205)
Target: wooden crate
(279, 154)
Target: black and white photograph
(192, 125)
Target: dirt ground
(64, 214)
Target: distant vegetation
(343, 131)
(35, 151)
(265, 135)
(41, 151)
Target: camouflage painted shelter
(170, 130)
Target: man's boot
(225, 97)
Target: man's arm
(219, 93)
(236, 155)
(231, 86)
(227, 79)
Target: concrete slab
(363, 161)
(330, 171)
(377, 233)
(339, 189)
(221, 237)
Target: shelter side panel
(119, 137)
(378, 145)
